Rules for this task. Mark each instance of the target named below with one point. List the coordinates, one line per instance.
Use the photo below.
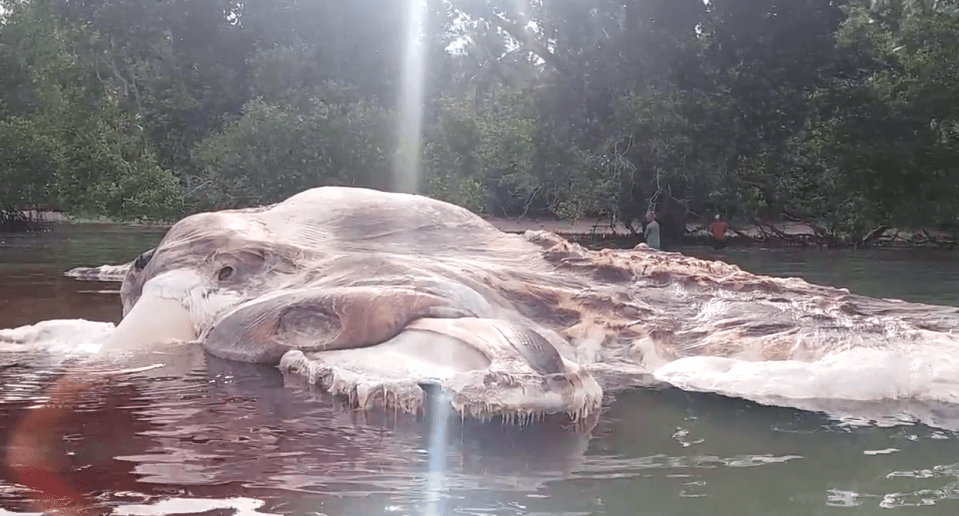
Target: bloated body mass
(370, 295)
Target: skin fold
(369, 295)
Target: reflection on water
(203, 435)
(915, 275)
(31, 272)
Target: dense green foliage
(841, 113)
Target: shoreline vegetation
(834, 120)
(598, 232)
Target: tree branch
(873, 235)
(528, 43)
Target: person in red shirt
(718, 231)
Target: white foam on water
(65, 337)
(926, 369)
(4, 512)
(242, 506)
(840, 498)
(886, 451)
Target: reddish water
(218, 437)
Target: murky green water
(223, 434)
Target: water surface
(218, 437)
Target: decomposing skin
(369, 295)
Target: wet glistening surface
(216, 437)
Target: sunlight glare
(406, 166)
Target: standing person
(718, 231)
(652, 231)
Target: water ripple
(621, 467)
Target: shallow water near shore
(217, 437)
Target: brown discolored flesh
(340, 268)
(320, 320)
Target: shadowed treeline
(838, 114)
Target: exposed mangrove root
(16, 221)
